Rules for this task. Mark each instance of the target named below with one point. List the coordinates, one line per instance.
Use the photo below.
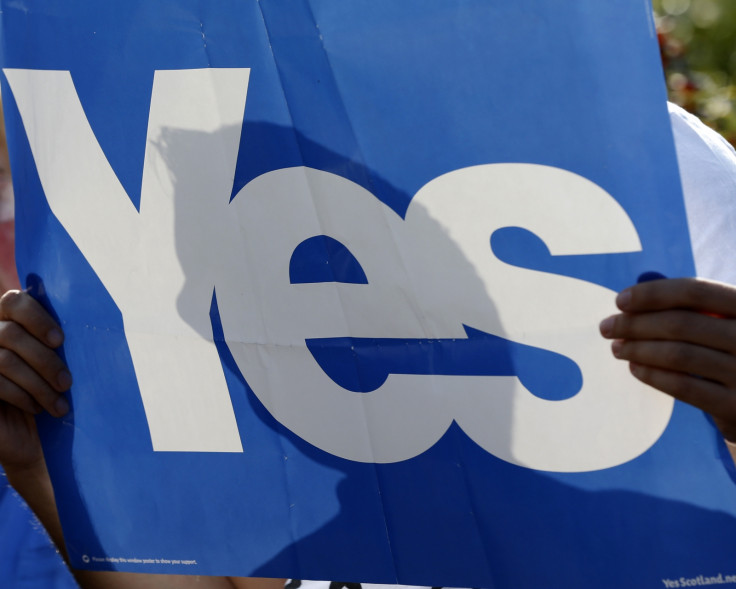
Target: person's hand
(679, 336)
(32, 377)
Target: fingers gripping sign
(679, 336)
(32, 376)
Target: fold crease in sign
(307, 78)
(350, 330)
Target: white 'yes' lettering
(428, 275)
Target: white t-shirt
(708, 173)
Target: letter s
(614, 418)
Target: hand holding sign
(225, 397)
(32, 376)
(680, 337)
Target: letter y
(159, 264)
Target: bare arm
(679, 336)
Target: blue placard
(330, 275)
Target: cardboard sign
(330, 275)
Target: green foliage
(698, 42)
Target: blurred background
(698, 43)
